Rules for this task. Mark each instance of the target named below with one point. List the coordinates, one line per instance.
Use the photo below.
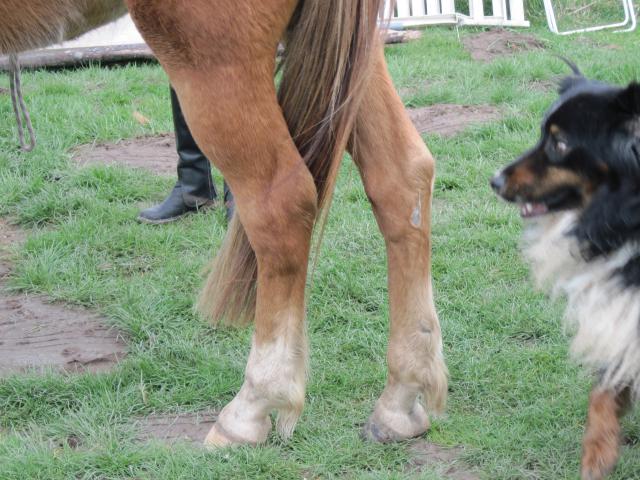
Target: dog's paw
(599, 457)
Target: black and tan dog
(579, 191)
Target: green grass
(517, 403)
(578, 12)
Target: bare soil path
(157, 154)
(491, 44)
(37, 334)
(449, 119)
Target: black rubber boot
(194, 189)
(229, 202)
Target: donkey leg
(602, 436)
(398, 171)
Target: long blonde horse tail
(328, 52)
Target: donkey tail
(329, 46)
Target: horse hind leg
(397, 170)
(276, 201)
(228, 96)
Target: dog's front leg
(602, 436)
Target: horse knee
(402, 201)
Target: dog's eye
(561, 146)
(556, 144)
(556, 149)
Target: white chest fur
(602, 314)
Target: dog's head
(590, 139)
(587, 158)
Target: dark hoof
(371, 432)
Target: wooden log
(401, 36)
(78, 57)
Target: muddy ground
(36, 334)
(447, 459)
(157, 154)
(448, 120)
(193, 428)
(187, 427)
(491, 44)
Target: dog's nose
(497, 182)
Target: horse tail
(328, 50)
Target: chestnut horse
(279, 149)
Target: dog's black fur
(608, 131)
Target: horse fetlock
(418, 368)
(276, 374)
(430, 372)
(288, 418)
(435, 384)
(285, 395)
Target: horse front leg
(398, 171)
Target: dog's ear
(628, 100)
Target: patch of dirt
(187, 427)
(36, 334)
(4, 91)
(10, 235)
(447, 458)
(491, 44)
(413, 90)
(595, 43)
(544, 85)
(448, 119)
(156, 154)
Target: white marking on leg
(275, 379)
(416, 216)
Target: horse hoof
(217, 439)
(397, 427)
(220, 437)
(372, 432)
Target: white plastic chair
(629, 20)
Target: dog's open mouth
(530, 210)
(564, 199)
